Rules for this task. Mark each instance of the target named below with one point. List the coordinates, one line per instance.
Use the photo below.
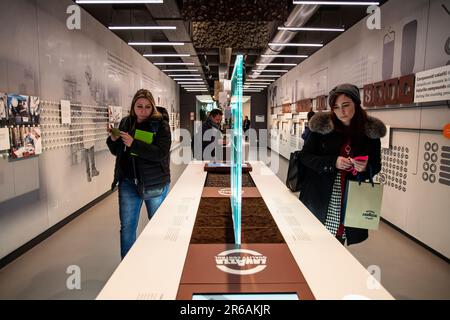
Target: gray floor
(91, 242)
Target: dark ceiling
(246, 26)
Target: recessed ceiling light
(173, 63)
(284, 56)
(187, 79)
(151, 55)
(184, 75)
(267, 70)
(259, 80)
(117, 1)
(266, 76)
(179, 70)
(187, 82)
(338, 3)
(194, 87)
(156, 43)
(312, 29)
(295, 44)
(276, 64)
(250, 87)
(142, 28)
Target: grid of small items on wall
(78, 126)
(20, 130)
(174, 121)
(394, 167)
(435, 169)
(30, 126)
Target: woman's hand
(359, 165)
(126, 138)
(110, 132)
(343, 163)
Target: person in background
(246, 127)
(211, 123)
(142, 150)
(307, 131)
(336, 138)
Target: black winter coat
(152, 161)
(319, 156)
(209, 124)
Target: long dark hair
(356, 131)
(144, 93)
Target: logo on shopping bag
(370, 215)
(241, 261)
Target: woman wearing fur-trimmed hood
(337, 137)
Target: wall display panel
(25, 141)
(438, 38)
(19, 62)
(416, 175)
(91, 68)
(356, 56)
(413, 38)
(22, 109)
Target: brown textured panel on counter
(201, 265)
(222, 180)
(262, 235)
(214, 223)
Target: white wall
(40, 56)
(359, 56)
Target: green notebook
(143, 136)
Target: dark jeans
(130, 203)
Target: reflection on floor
(91, 242)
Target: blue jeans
(130, 203)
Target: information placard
(433, 85)
(65, 112)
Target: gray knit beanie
(349, 90)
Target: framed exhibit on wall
(23, 110)
(25, 142)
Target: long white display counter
(153, 267)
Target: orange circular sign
(446, 131)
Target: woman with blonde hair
(142, 149)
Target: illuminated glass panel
(236, 146)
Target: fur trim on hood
(321, 123)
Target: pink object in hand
(358, 158)
(361, 158)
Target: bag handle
(370, 177)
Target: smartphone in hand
(115, 132)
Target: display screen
(246, 296)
